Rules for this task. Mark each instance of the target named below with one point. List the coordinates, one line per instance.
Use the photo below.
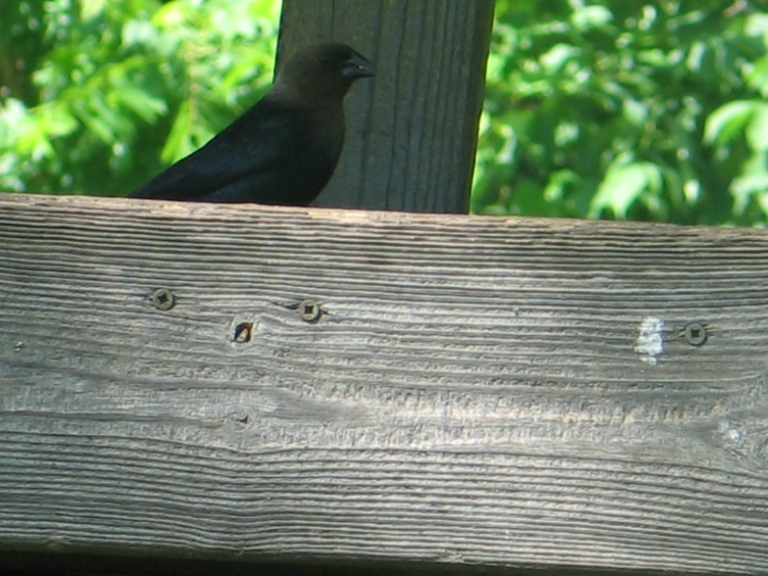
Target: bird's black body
(266, 156)
(281, 151)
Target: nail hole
(243, 332)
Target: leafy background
(98, 95)
(645, 110)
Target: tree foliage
(650, 110)
(634, 109)
(98, 93)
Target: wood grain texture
(412, 131)
(511, 392)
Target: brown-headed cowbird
(281, 151)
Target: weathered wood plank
(480, 391)
(412, 131)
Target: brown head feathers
(321, 72)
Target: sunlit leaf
(728, 121)
(179, 142)
(558, 56)
(757, 129)
(593, 16)
(622, 187)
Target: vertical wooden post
(412, 132)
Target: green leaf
(757, 129)
(179, 143)
(588, 17)
(623, 186)
(558, 56)
(728, 121)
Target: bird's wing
(258, 143)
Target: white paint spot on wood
(650, 341)
(731, 432)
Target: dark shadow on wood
(52, 564)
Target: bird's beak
(358, 67)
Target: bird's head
(322, 72)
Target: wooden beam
(412, 132)
(381, 386)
